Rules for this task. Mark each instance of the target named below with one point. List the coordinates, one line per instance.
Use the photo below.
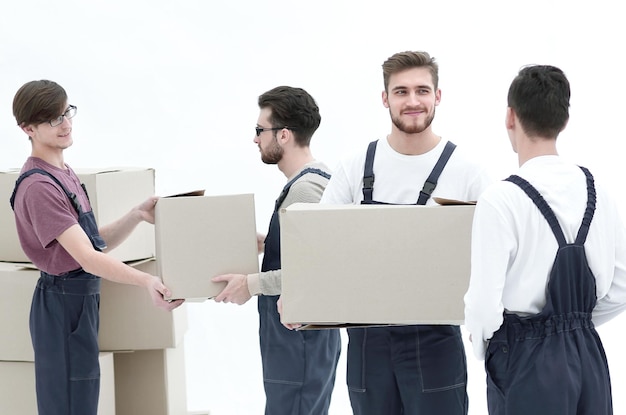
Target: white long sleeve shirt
(513, 247)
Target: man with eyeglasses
(58, 232)
(298, 366)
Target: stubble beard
(273, 153)
(413, 128)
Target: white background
(173, 85)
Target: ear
(284, 136)
(28, 129)
(437, 97)
(385, 99)
(509, 120)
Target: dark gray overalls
(64, 329)
(298, 366)
(385, 363)
(553, 362)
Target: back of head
(539, 96)
(294, 109)
(38, 101)
(402, 61)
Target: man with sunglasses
(298, 366)
(58, 232)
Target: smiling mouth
(413, 111)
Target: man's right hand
(159, 293)
(279, 305)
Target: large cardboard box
(17, 387)
(129, 320)
(113, 192)
(106, 403)
(18, 284)
(199, 237)
(151, 382)
(374, 264)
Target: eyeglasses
(259, 130)
(69, 113)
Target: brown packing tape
(191, 193)
(452, 202)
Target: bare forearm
(104, 266)
(116, 232)
(78, 245)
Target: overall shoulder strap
(590, 210)
(285, 191)
(368, 172)
(543, 206)
(70, 195)
(431, 181)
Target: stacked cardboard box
(151, 382)
(18, 284)
(17, 387)
(129, 321)
(112, 193)
(17, 368)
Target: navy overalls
(298, 366)
(418, 369)
(553, 362)
(64, 329)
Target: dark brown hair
(293, 108)
(540, 96)
(402, 61)
(38, 101)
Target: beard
(412, 128)
(273, 153)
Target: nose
(414, 98)
(256, 140)
(66, 122)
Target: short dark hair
(294, 108)
(38, 101)
(402, 61)
(539, 95)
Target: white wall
(173, 85)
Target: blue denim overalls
(418, 369)
(298, 366)
(64, 329)
(553, 362)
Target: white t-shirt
(513, 247)
(399, 178)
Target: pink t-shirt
(43, 212)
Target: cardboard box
(151, 382)
(199, 237)
(17, 387)
(106, 403)
(129, 320)
(18, 284)
(112, 192)
(375, 264)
